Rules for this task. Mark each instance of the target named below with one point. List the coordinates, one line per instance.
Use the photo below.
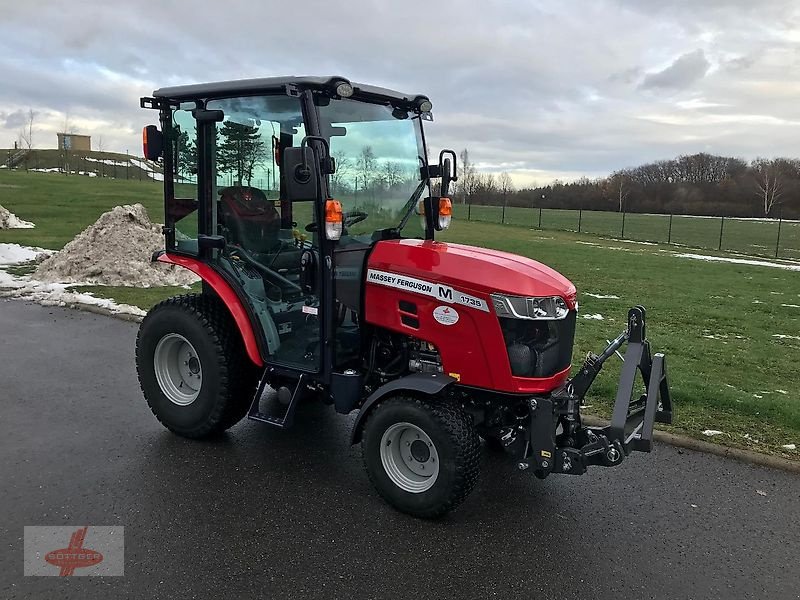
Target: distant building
(73, 141)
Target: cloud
(539, 88)
(683, 72)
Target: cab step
(287, 419)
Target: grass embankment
(716, 322)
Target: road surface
(291, 514)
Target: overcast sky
(541, 89)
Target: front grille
(539, 348)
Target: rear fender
(225, 292)
(428, 384)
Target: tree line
(697, 184)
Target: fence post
(721, 228)
(580, 218)
(622, 232)
(669, 233)
(540, 217)
(778, 241)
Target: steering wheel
(353, 217)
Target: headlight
(550, 308)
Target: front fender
(429, 384)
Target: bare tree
(100, 143)
(26, 133)
(505, 184)
(344, 167)
(619, 184)
(68, 127)
(365, 167)
(468, 179)
(392, 174)
(769, 176)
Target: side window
(183, 209)
(252, 211)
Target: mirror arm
(327, 163)
(455, 162)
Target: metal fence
(95, 164)
(778, 237)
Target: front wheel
(422, 456)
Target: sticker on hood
(444, 293)
(446, 315)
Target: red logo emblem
(74, 556)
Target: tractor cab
(282, 186)
(308, 206)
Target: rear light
(152, 142)
(445, 213)
(334, 219)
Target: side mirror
(302, 173)
(447, 171)
(152, 143)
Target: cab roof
(277, 84)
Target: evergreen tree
(187, 153)
(239, 150)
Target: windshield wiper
(411, 204)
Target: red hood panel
(467, 267)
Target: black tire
(229, 379)
(452, 432)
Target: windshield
(379, 152)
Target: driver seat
(249, 218)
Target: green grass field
(716, 322)
(745, 236)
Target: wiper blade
(411, 204)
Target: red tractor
(306, 206)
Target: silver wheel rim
(409, 458)
(178, 370)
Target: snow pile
(602, 296)
(47, 294)
(742, 261)
(115, 250)
(712, 432)
(595, 317)
(13, 254)
(58, 294)
(9, 220)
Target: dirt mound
(115, 250)
(9, 220)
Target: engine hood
(467, 267)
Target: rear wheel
(192, 367)
(422, 456)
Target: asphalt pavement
(291, 514)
